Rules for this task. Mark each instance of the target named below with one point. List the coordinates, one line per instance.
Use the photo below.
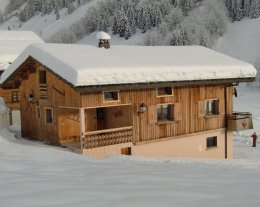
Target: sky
(3, 4)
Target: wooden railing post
(82, 125)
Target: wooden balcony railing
(107, 137)
(238, 121)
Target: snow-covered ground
(34, 174)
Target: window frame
(111, 100)
(45, 78)
(45, 111)
(171, 113)
(164, 94)
(210, 109)
(211, 142)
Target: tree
(57, 12)
(71, 8)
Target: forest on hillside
(165, 22)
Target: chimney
(103, 40)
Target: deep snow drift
(34, 174)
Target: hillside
(46, 25)
(242, 40)
(140, 22)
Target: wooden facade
(52, 110)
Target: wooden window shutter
(201, 109)
(221, 106)
(177, 112)
(216, 107)
(152, 114)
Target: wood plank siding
(58, 94)
(11, 97)
(186, 99)
(64, 101)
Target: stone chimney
(103, 40)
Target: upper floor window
(165, 112)
(42, 77)
(164, 91)
(111, 96)
(43, 90)
(212, 107)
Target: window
(211, 107)
(111, 96)
(42, 77)
(48, 116)
(15, 97)
(211, 142)
(164, 91)
(126, 151)
(43, 91)
(38, 111)
(165, 112)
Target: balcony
(239, 121)
(107, 137)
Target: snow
(83, 65)
(47, 25)
(35, 174)
(136, 39)
(103, 36)
(3, 4)
(241, 40)
(4, 112)
(12, 43)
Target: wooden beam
(82, 125)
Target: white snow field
(36, 174)
(241, 41)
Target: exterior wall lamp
(143, 108)
(30, 97)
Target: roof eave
(126, 86)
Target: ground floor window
(212, 142)
(126, 151)
(48, 115)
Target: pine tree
(57, 12)
(71, 8)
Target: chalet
(12, 43)
(147, 101)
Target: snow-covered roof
(83, 65)
(103, 36)
(12, 43)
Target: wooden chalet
(12, 43)
(133, 100)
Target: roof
(12, 43)
(83, 65)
